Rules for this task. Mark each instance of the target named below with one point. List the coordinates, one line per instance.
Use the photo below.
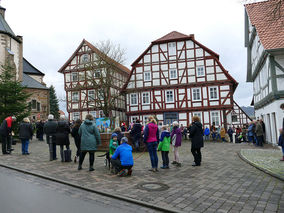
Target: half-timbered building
(81, 97)
(264, 40)
(177, 77)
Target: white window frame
(192, 94)
(175, 71)
(199, 114)
(73, 95)
(85, 58)
(217, 93)
(213, 118)
(94, 96)
(76, 75)
(148, 94)
(173, 96)
(76, 115)
(172, 48)
(97, 73)
(150, 77)
(198, 71)
(134, 118)
(145, 119)
(130, 99)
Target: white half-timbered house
(264, 39)
(177, 77)
(80, 95)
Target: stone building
(11, 50)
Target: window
(97, 73)
(198, 114)
(101, 94)
(85, 58)
(172, 48)
(196, 94)
(74, 76)
(169, 96)
(76, 116)
(75, 96)
(200, 71)
(234, 118)
(91, 95)
(215, 118)
(33, 105)
(147, 76)
(145, 98)
(213, 93)
(173, 74)
(145, 119)
(82, 76)
(93, 113)
(38, 106)
(133, 99)
(133, 119)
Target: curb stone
(258, 167)
(123, 198)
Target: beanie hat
(113, 135)
(124, 140)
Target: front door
(170, 117)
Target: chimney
(2, 11)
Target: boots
(91, 168)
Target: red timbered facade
(80, 96)
(176, 78)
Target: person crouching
(122, 159)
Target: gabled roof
(174, 35)
(269, 25)
(98, 52)
(28, 68)
(31, 83)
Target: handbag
(174, 138)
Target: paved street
(224, 183)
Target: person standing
(176, 138)
(281, 143)
(49, 129)
(207, 133)
(223, 134)
(62, 137)
(6, 135)
(230, 133)
(263, 128)
(196, 135)
(164, 146)
(259, 134)
(251, 132)
(151, 138)
(136, 134)
(25, 134)
(213, 132)
(39, 130)
(90, 139)
(77, 138)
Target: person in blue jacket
(122, 159)
(206, 133)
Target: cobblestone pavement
(105, 202)
(224, 183)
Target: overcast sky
(52, 30)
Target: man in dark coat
(62, 135)
(196, 135)
(39, 130)
(136, 134)
(49, 129)
(6, 134)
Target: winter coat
(119, 136)
(196, 135)
(62, 133)
(6, 126)
(207, 131)
(25, 131)
(90, 136)
(258, 129)
(39, 128)
(165, 141)
(112, 146)
(222, 133)
(281, 141)
(124, 153)
(151, 133)
(251, 130)
(230, 131)
(176, 131)
(50, 127)
(75, 134)
(136, 131)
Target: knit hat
(113, 135)
(124, 140)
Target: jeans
(152, 149)
(165, 157)
(25, 146)
(137, 143)
(61, 151)
(283, 150)
(213, 136)
(91, 157)
(196, 152)
(117, 165)
(231, 138)
(259, 141)
(206, 137)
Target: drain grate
(153, 186)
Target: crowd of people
(155, 137)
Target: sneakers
(122, 173)
(174, 162)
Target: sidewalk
(223, 183)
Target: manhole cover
(153, 186)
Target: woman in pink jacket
(151, 138)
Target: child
(176, 142)
(113, 144)
(164, 146)
(281, 143)
(223, 134)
